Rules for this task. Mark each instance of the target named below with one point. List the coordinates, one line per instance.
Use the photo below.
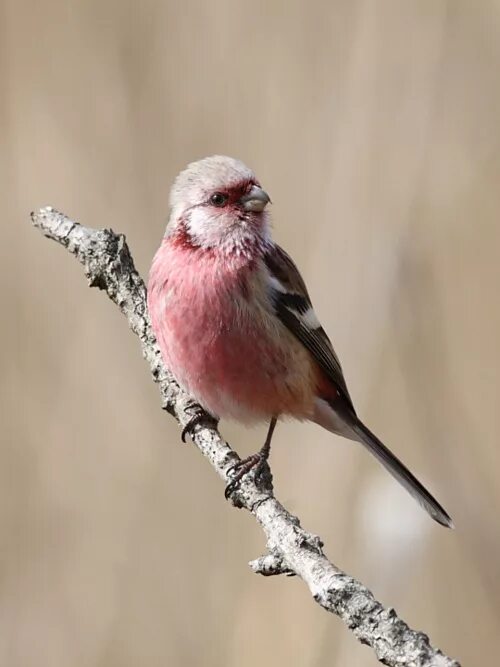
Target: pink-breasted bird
(235, 323)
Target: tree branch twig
(291, 550)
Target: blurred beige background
(374, 124)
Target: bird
(235, 323)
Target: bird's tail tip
(444, 519)
(401, 473)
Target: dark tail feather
(402, 474)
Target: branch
(291, 550)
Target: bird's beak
(256, 200)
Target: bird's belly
(234, 364)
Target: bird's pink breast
(218, 337)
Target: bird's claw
(256, 462)
(230, 489)
(189, 427)
(198, 417)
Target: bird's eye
(218, 199)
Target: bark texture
(291, 550)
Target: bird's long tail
(344, 421)
(401, 473)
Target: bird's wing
(293, 307)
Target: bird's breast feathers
(218, 332)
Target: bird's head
(218, 203)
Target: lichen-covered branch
(291, 550)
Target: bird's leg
(255, 461)
(198, 416)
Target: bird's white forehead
(207, 175)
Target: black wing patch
(292, 305)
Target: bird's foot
(256, 462)
(198, 416)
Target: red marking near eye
(239, 189)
